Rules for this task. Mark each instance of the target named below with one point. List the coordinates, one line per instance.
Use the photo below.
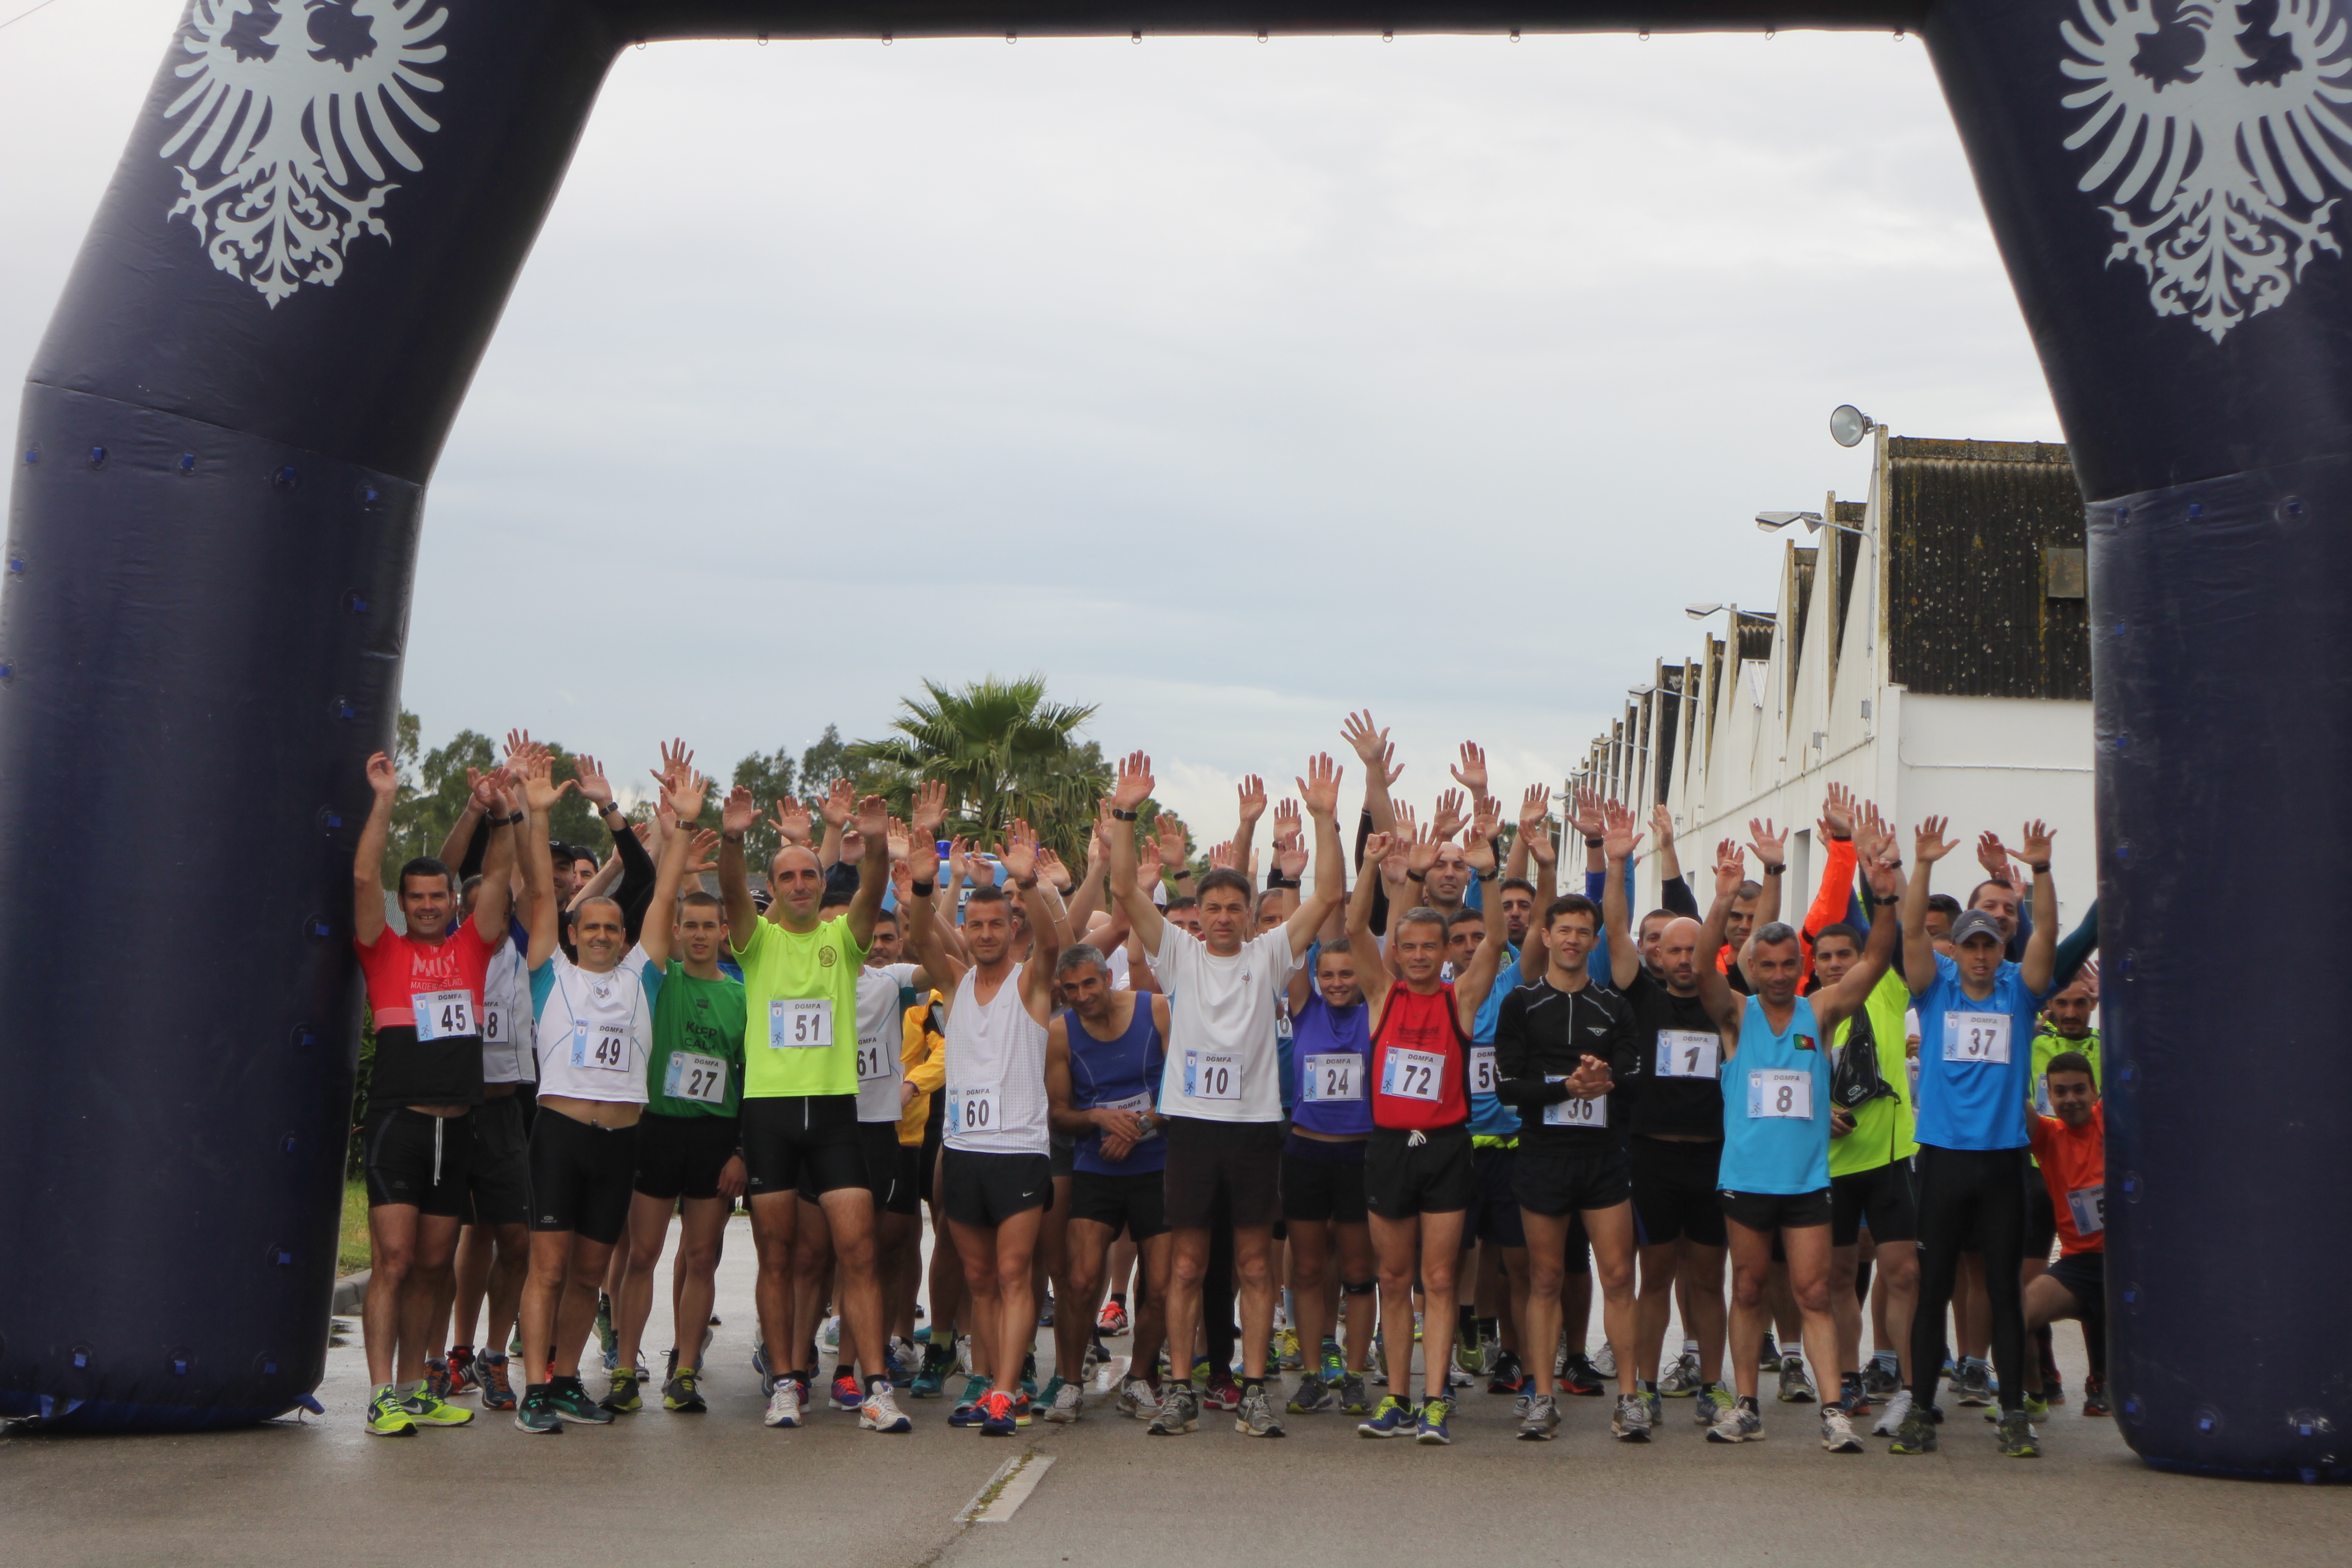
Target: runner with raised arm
(1220, 1088)
(1775, 1175)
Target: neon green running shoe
(621, 1398)
(429, 1409)
(387, 1416)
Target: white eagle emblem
(2228, 122)
(287, 105)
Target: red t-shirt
(2074, 1167)
(442, 1063)
(1421, 1074)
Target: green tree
(433, 789)
(1002, 751)
(769, 779)
(826, 761)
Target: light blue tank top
(1775, 1106)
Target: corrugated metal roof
(1967, 609)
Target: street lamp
(1849, 424)
(1773, 522)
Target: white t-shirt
(507, 1031)
(596, 1031)
(1121, 978)
(880, 1034)
(1222, 1015)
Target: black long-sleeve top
(1544, 1034)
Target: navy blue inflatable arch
(221, 467)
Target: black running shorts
(1402, 1178)
(681, 1156)
(581, 1176)
(498, 1179)
(1137, 1204)
(1495, 1213)
(986, 1190)
(1673, 1191)
(784, 1134)
(1553, 1184)
(410, 1158)
(1881, 1199)
(1770, 1211)
(1323, 1181)
(1242, 1159)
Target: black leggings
(1971, 1194)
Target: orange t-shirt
(2074, 1167)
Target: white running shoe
(1069, 1404)
(1605, 1362)
(1890, 1419)
(880, 1413)
(1137, 1399)
(1837, 1433)
(785, 1403)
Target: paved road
(721, 1489)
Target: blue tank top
(1124, 1071)
(1489, 1117)
(1775, 1106)
(1331, 1054)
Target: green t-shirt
(1882, 1128)
(696, 1023)
(800, 996)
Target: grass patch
(352, 1253)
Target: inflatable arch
(221, 464)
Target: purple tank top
(1331, 1054)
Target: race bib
(2041, 1092)
(799, 1023)
(2089, 1206)
(1572, 1112)
(600, 1044)
(1687, 1053)
(443, 1015)
(691, 1076)
(1213, 1075)
(1482, 1070)
(1773, 1092)
(494, 1025)
(1977, 1037)
(873, 1062)
(1412, 1075)
(1333, 1078)
(973, 1111)
(1138, 1105)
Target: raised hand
(1320, 788)
(1133, 786)
(1050, 867)
(1487, 816)
(1878, 870)
(1991, 855)
(539, 785)
(1253, 799)
(2036, 852)
(1869, 835)
(902, 880)
(1288, 823)
(1220, 856)
(738, 814)
(1929, 844)
(1422, 854)
(959, 852)
(896, 840)
(838, 804)
(1661, 828)
(1370, 742)
(1730, 866)
(1478, 848)
(484, 787)
(702, 854)
(1471, 774)
(1838, 814)
(675, 758)
(922, 863)
(594, 788)
(1018, 852)
(1290, 856)
(873, 813)
(1585, 813)
(1535, 809)
(792, 822)
(383, 777)
(1449, 814)
(1618, 839)
(930, 808)
(519, 747)
(1148, 866)
(685, 794)
(1771, 850)
(1174, 844)
(1403, 815)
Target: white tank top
(508, 1043)
(996, 1072)
(596, 1031)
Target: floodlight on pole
(1849, 424)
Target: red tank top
(1419, 1076)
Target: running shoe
(1916, 1436)
(1508, 1376)
(1293, 1356)
(1029, 1375)
(1179, 1412)
(785, 1403)
(1713, 1400)
(1540, 1422)
(1737, 1424)
(1392, 1419)
(535, 1414)
(573, 1404)
(1796, 1382)
(2094, 1396)
(607, 1340)
(2054, 1389)
(828, 1333)
(846, 1394)
(464, 1381)
(2018, 1439)
(1579, 1377)
(1681, 1379)
(1313, 1396)
(1632, 1423)
(1051, 1392)
(2036, 1409)
(1223, 1392)
(436, 1377)
(1897, 1412)
(880, 1413)
(1975, 1382)
(1469, 1355)
(621, 1398)
(967, 1411)
(1852, 1395)
(427, 1408)
(1431, 1430)
(1881, 1378)
(1457, 1378)
(996, 1417)
(1097, 1354)
(933, 1376)
(514, 1340)
(760, 1364)
(1837, 1432)
(1111, 1321)
(387, 1414)
(1767, 1359)
(1354, 1397)
(900, 1360)
(1066, 1403)
(1256, 1417)
(1137, 1398)
(1605, 1364)
(963, 1354)
(1024, 1410)
(490, 1370)
(1046, 1313)
(1658, 1407)
(682, 1395)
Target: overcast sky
(1230, 385)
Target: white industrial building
(1930, 651)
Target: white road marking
(1006, 1490)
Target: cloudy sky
(1230, 385)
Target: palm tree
(1003, 751)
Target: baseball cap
(1974, 922)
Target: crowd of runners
(1401, 1093)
